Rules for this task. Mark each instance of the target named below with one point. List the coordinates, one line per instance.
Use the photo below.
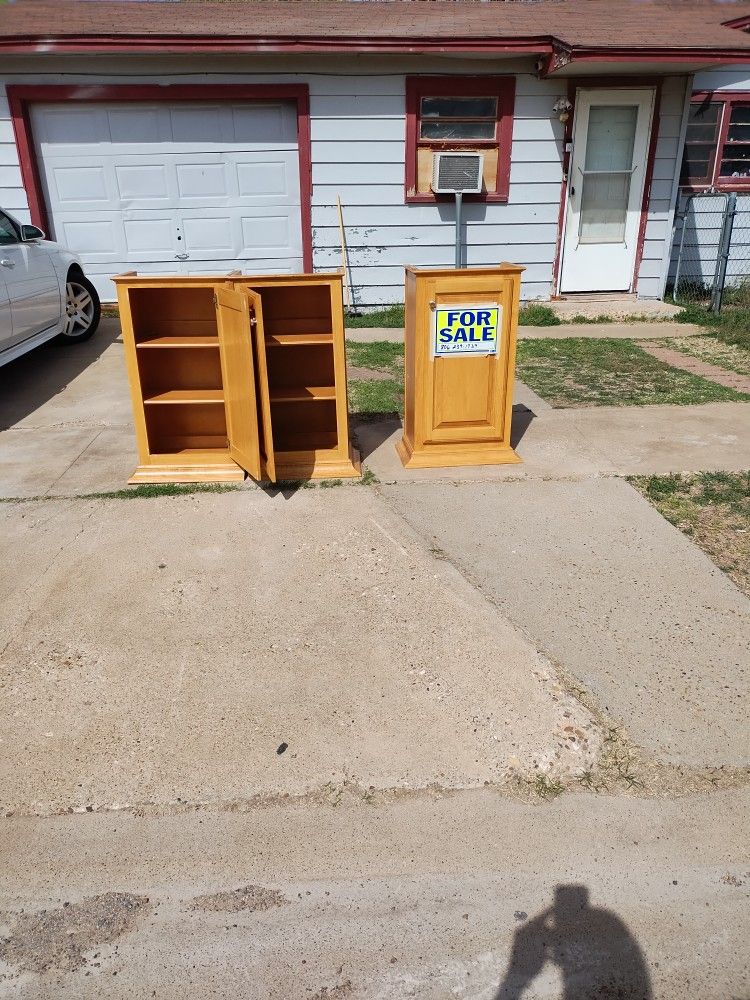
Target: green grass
(390, 316)
(547, 788)
(730, 326)
(535, 314)
(150, 490)
(713, 508)
(606, 372)
(581, 320)
(376, 397)
(381, 356)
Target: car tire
(82, 309)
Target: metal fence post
(681, 216)
(725, 240)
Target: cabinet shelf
(298, 339)
(216, 373)
(186, 396)
(177, 341)
(303, 394)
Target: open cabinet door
(238, 374)
(263, 391)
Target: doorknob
(8, 263)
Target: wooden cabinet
(236, 374)
(458, 409)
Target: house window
(452, 113)
(717, 143)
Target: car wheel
(82, 310)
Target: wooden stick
(344, 255)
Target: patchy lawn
(731, 357)
(731, 325)
(376, 378)
(606, 372)
(714, 509)
(381, 357)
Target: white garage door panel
(134, 185)
(170, 181)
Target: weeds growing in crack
(546, 788)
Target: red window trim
(717, 183)
(21, 98)
(502, 87)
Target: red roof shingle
(380, 25)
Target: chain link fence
(710, 263)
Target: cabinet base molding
(439, 456)
(222, 472)
(301, 465)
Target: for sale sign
(462, 330)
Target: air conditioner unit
(457, 173)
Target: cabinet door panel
(254, 303)
(463, 396)
(238, 374)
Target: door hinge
(216, 301)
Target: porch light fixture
(562, 108)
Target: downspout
(671, 227)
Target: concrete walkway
(613, 592)
(69, 431)
(618, 331)
(278, 744)
(583, 443)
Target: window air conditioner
(457, 173)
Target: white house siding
(358, 149)
(703, 213)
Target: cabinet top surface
(432, 272)
(167, 280)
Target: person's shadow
(595, 952)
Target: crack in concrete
(666, 781)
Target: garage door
(183, 189)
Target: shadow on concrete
(521, 421)
(33, 379)
(370, 430)
(592, 947)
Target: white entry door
(182, 188)
(605, 189)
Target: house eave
(565, 61)
(206, 44)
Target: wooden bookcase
(241, 373)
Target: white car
(43, 292)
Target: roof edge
(34, 44)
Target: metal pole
(459, 200)
(720, 276)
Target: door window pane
(607, 173)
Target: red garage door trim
(22, 98)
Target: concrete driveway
(427, 739)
